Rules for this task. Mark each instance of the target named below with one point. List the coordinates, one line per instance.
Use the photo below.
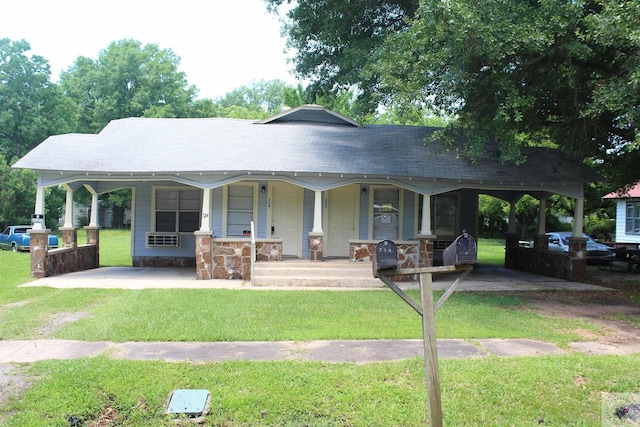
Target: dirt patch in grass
(608, 309)
(14, 304)
(60, 319)
(12, 385)
(108, 416)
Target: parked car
(16, 238)
(558, 241)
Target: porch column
(541, 240)
(93, 220)
(317, 213)
(68, 209)
(316, 237)
(426, 215)
(205, 219)
(204, 239)
(69, 232)
(512, 238)
(93, 230)
(39, 209)
(512, 217)
(578, 218)
(578, 244)
(425, 238)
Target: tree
(334, 42)
(561, 74)
(128, 80)
(31, 107)
(515, 74)
(18, 196)
(492, 216)
(263, 96)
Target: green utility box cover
(192, 403)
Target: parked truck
(16, 238)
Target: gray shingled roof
(142, 145)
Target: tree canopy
(334, 41)
(128, 80)
(557, 73)
(31, 107)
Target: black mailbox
(462, 250)
(386, 257)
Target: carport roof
(210, 145)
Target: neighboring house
(315, 184)
(627, 213)
(81, 215)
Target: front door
(286, 217)
(341, 220)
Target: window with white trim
(241, 209)
(633, 218)
(177, 210)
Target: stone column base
(69, 237)
(39, 243)
(93, 238)
(425, 250)
(578, 257)
(316, 246)
(204, 258)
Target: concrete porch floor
(480, 279)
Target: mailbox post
(385, 263)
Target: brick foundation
(163, 261)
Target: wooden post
(430, 350)
(427, 310)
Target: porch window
(177, 210)
(386, 207)
(444, 214)
(633, 218)
(241, 209)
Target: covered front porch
(315, 185)
(429, 220)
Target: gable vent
(164, 240)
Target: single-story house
(627, 214)
(313, 183)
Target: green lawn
(491, 252)
(247, 315)
(522, 391)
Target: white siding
(621, 217)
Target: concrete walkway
(364, 351)
(481, 279)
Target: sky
(223, 44)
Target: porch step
(334, 273)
